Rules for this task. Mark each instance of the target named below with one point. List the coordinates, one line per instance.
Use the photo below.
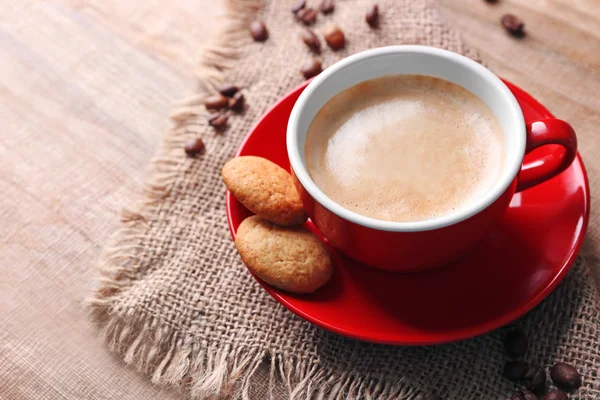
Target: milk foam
(404, 148)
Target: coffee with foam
(404, 148)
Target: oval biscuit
(290, 258)
(264, 188)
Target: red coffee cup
(412, 246)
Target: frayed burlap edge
(143, 341)
(157, 350)
(160, 351)
(215, 58)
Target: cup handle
(540, 133)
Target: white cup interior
(419, 60)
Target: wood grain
(558, 62)
(85, 90)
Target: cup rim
(299, 169)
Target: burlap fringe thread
(146, 343)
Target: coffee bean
(535, 378)
(516, 396)
(555, 395)
(513, 24)
(515, 370)
(515, 343)
(565, 375)
(327, 6)
(194, 146)
(215, 102)
(259, 31)
(300, 14)
(334, 37)
(372, 16)
(236, 103)
(524, 394)
(311, 17)
(311, 40)
(307, 16)
(312, 68)
(300, 4)
(218, 120)
(228, 90)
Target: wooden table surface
(85, 90)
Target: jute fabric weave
(176, 302)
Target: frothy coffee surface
(404, 148)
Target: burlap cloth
(176, 302)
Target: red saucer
(512, 271)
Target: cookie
(290, 258)
(264, 188)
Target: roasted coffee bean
(515, 344)
(327, 6)
(555, 395)
(311, 40)
(565, 375)
(312, 68)
(524, 394)
(300, 14)
(259, 31)
(300, 4)
(310, 17)
(528, 394)
(215, 102)
(229, 90)
(307, 16)
(334, 37)
(515, 370)
(516, 396)
(535, 378)
(194, 146)
(236, 103)
(218, 120)
(372, 16)
(513, 24)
